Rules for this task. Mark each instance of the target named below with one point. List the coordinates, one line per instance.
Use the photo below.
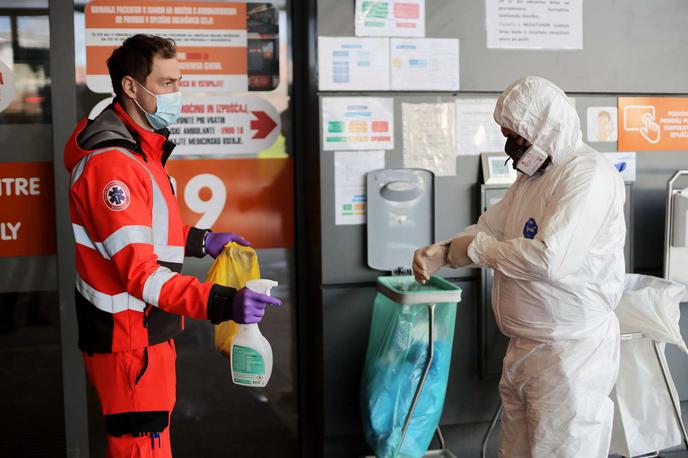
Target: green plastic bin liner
(398, 349)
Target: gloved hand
(216, 241)
(249, 306)
(428, 260)
(458, 251)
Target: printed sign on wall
(361, 123)
(221, 47)
(390, 18)
(250, 197)
(27, 209)
(225, 125)
(653, 123)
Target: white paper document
(390, 18)
(430, 137)
(534, 24)
(347, 64)
(425, 64)
(476, 130)
(357, 123)
(350, 198)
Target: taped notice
(350, 168)
(477, 131)
(390, 18)
(430, 137)
(425, 64)
(357, 123)
(346, 64)
(542, 24)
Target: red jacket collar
(151, 142)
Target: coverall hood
(540, 112)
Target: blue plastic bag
(396, 358)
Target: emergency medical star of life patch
(116, 196)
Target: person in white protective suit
(556, 244)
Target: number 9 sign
(211, 208)
(261, 207)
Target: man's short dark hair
(135, 58)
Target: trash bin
(407, 365)
(646, 406)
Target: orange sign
(27, 209)
(251, 197)
(653, 124)
(211, 39)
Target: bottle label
(248, 367)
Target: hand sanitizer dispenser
(400, 217)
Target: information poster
(542, 24)
(251, 197)
(476, 130)
(653, 124)
(390, 18)
(425, 64)
(347, 63)
(27, 209)
(602, 124)
(430, 137)
(225, 126)
(221, 47)
(357, 123)
(350, 168)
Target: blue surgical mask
(167, 111)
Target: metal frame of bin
(423, 298)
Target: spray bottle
(251, 353)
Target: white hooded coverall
(556, 244)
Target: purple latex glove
(216, 241)
(249, 306)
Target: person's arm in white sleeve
(580, 206)
(430, 259)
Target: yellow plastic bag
(234, 266)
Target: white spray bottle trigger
(262, 286)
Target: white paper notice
(390, 18)
(625, 163)
(350, 168)
(347, 64)
(360, 123)
(602, 124)
(425, 64)
(430, 137)
(476, 130)
(534, 24)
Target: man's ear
(129, 87)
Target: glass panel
(31, 370)
(232, 419)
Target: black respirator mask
(529, 160)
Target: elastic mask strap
(137, 102)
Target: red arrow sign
(263, 124)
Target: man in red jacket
(130, 245)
